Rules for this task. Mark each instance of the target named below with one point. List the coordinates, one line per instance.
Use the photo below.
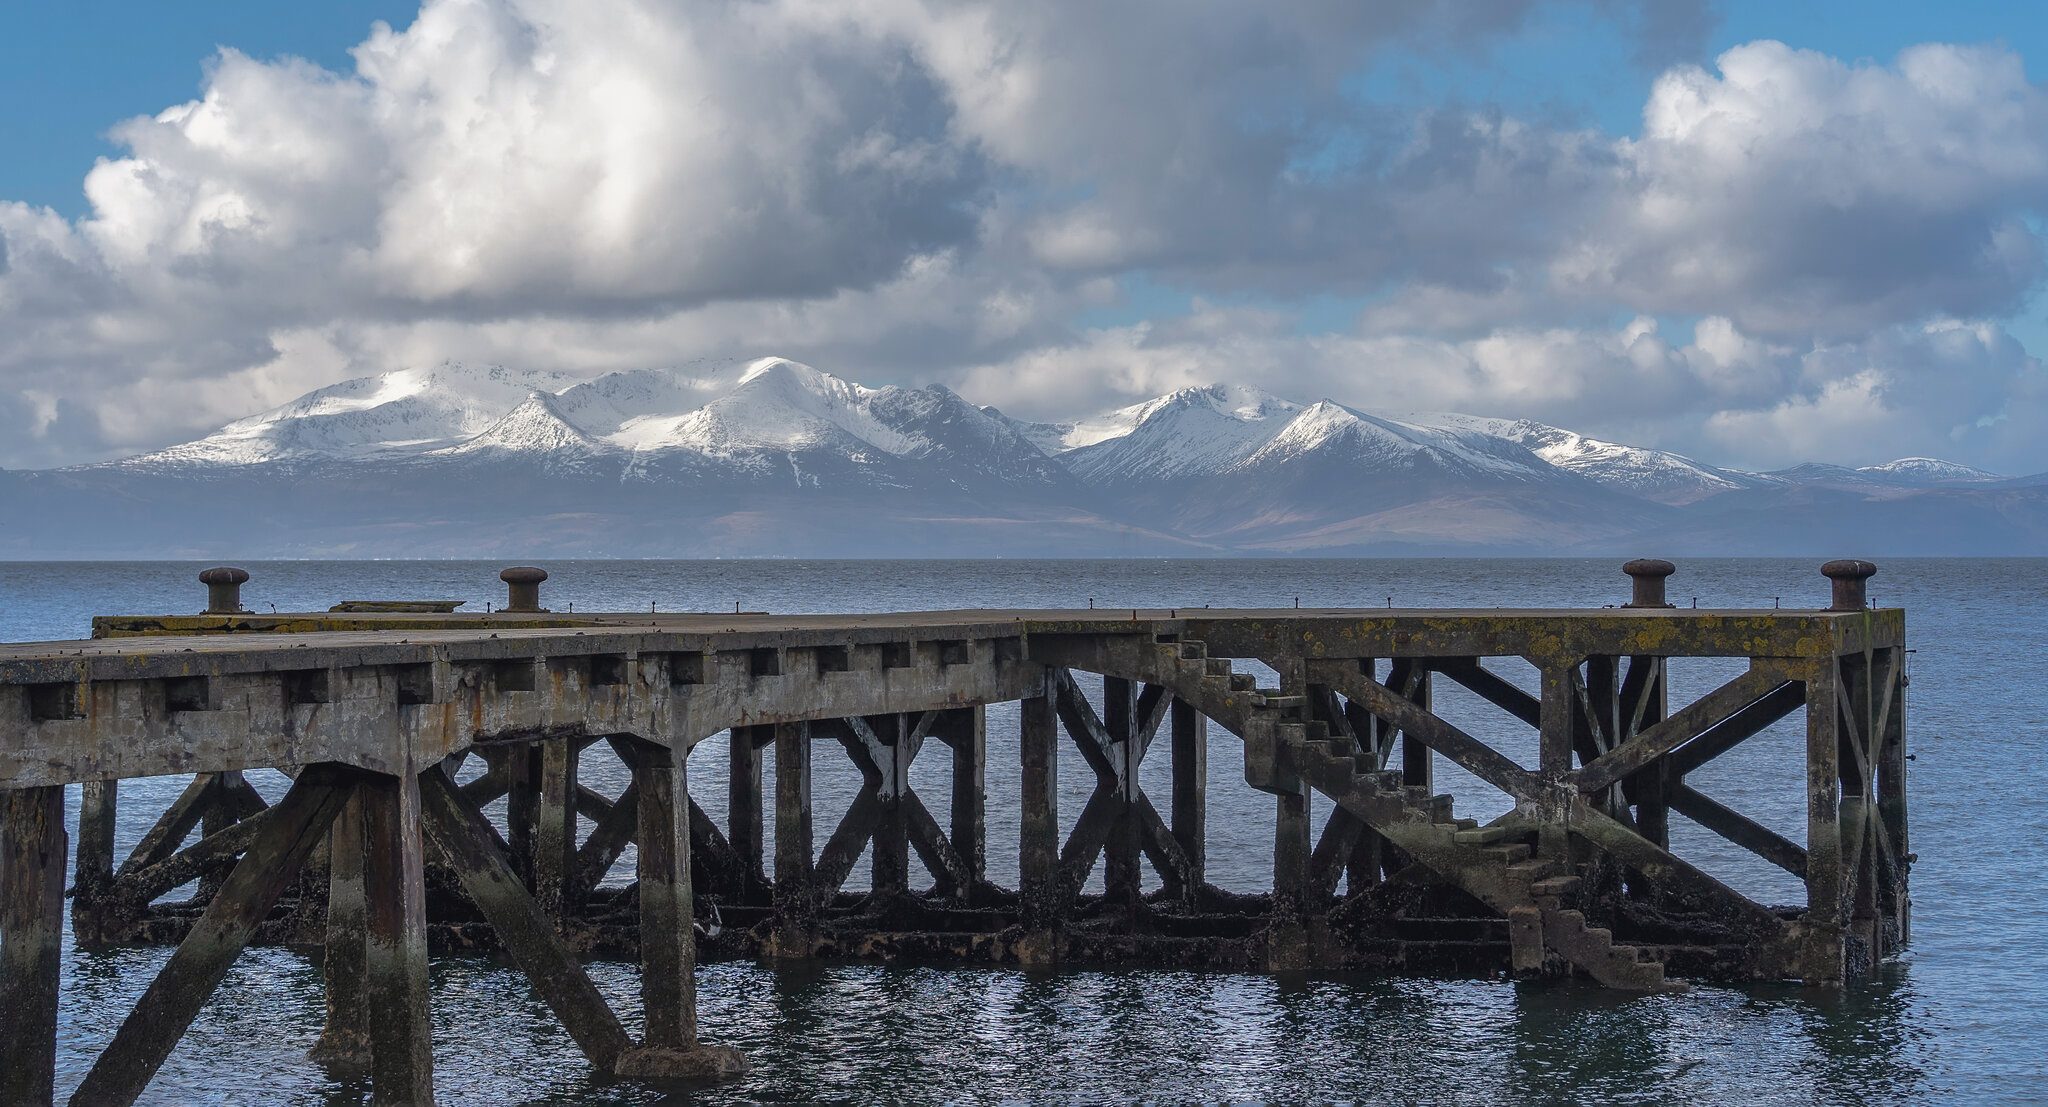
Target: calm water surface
(1960, 1018)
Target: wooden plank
(1737, 728)
(939, 856)
(710, 852)
(1084, 845)
(395, 937)
(463, 839)
(174, 998)
(1418, 723)
(1739, 829)
(1162, 848)
(1490, 686)
(209, 854)
(173, 826)
(668, 942)
(1333, 852)
(608, 839)
(843, 849)
(33, 852)
(1151, 710)
(1684, 725)
(1090, 735)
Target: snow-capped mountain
(772, 457)
(1658, 475)
(411, 410)
(1927, 471)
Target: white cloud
(939, 189)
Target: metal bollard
(1848, 575)
(224, 589)
(1648, 574)
(522, 588)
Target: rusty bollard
(1848, 575)
(522, 588)
(1648, 574)
(224, 589)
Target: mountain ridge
(769, 456)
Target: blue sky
(1834, 255)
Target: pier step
(1495, 864)
(1593, 950)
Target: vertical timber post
(1120, 874)
(968, 731)
(668, 945)
(554, 828)
(796, 895)
(98, 804)
(1038, 848)
(1554, 753)
(395, 939)
(1415, 758)
(1891, 798)
(344, 1044)
(1821, 960)
(668, 937)
(889, 856)
(1190, 792)
(33, 850)
(522, 799)
(743, 803)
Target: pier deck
(399, 729)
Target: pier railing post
(33, 851)
(1038, 850)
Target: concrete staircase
(1283, 747)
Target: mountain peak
(1928, 470)
(535, 427)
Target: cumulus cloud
(921, 190)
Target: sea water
(1959, 1017)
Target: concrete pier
(400, 724)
